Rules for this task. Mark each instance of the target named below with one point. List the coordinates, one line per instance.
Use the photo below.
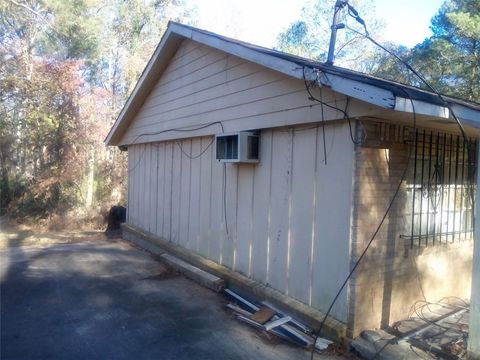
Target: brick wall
(393, 275)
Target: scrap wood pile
(266, 317)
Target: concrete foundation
(332, 329)
(202, 277)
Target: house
(278, 170)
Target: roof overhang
(339, 80)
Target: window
(440, 189)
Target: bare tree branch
(26, 7)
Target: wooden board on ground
(263, 315)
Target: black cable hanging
(352, 12)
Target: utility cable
(359, 260)
(172, 130)
(407, 65)
(318, 332)
(193, 157)
(323, 103)
(357, 263)
(323, 129)
(352, 12)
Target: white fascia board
(468, 115)
(465, 114)
(355, 89)
(421, 107)
(358, 90)
(284, 66)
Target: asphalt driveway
(105, 299)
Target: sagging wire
(354, 14)
(224, 185)
(172, 130)
(193, 157)
(359, 260)
(323, 103)
(357, 17)
(307, 87)
(419, 311)
(323, 128)
(458, 325)
(224, 188)
(365, 250)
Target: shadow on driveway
(108, 300)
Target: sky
(259, 21)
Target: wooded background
(67, 68)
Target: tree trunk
(90, 178)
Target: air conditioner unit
(239, 147)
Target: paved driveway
(107, 300)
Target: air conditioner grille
(237, 147)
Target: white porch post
(474, 330)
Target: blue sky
(407, 21)
(259, 21)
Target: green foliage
(73, 28)
(66, 69)
(450, 59)
(310, 35)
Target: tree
(66, 69)
(73, 28)
(310, 35)
(449, 59)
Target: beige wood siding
(202, 85)
(288, 216)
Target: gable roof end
(373, 90)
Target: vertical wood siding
(288, 217)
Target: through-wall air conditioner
(239, 147)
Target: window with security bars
(440, 189)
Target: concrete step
(379, 345)
(198, 275)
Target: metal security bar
(441, 188)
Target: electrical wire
(172, 130)
(323, 128)
(359, 260)
(352, 12)
(323, 103)
(193, 157)
(357, 263)
(179, 130)
(410, 68)
(224, 185)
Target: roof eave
(157, 63)
(369, 93)
(468, 116)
